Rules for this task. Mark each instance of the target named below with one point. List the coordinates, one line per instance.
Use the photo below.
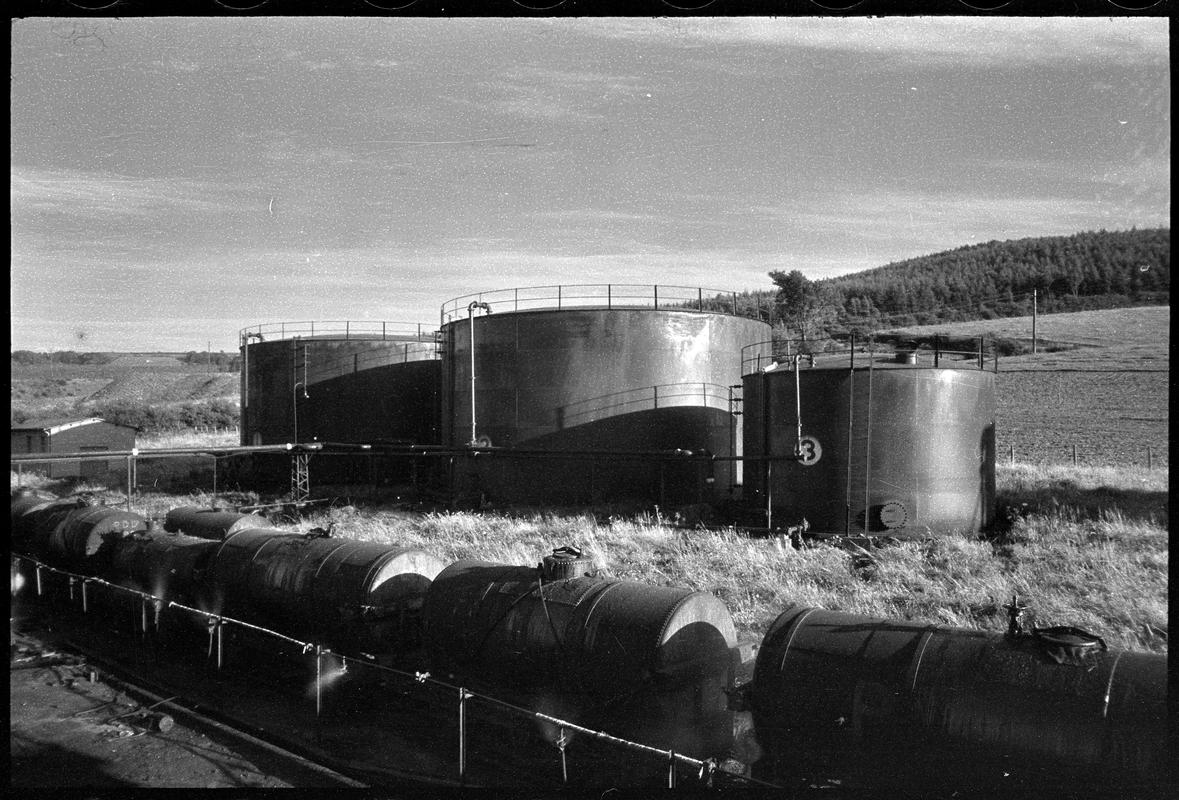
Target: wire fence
(698, 772)
(1150, 457)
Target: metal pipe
(797, 407)
(471, 324)
(868, 445)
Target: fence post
(1149, 458)
(670, 769)
(462, 726)
(318, 681)
(1074, 455)
(1012, 449)
(561, 746)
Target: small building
(71, 435)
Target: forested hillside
(1070, 273)
(1085, 271)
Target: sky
(174, 180)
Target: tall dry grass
(1084, 546)
(188, 438)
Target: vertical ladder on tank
(735, 405)
(439, 342)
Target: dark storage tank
(588, 368)
(649, 662)
(210, 523)
(339, 382)
(1043, 713)
(342, 592)
(891, 445)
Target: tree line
(1084, 271)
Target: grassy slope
(51, 390)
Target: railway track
(394, 738)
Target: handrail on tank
(597, 295)
(686, 393)
(758, 356)
(341, 329)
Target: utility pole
(1035, 314)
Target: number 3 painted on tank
(809, 450)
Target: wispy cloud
(892, 224)
(546, 93)
(103, 195)
(999, 41)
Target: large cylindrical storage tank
(347, 594)
(650, 662)
(890, 445)
(358, 382)
(560, 376)
(923, 707)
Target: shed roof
(59, 424)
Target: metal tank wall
(621, 380)
(339, 386)
(890, 448)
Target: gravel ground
(65, 732)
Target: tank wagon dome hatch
(877, 443)
(339, 381)
(566, 374)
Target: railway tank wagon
(352, 594)
(571, 369)
(933, 709)
(649, 662)
(892, 444)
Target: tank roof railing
(596, 296)
(338, 329)
(853, 353)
